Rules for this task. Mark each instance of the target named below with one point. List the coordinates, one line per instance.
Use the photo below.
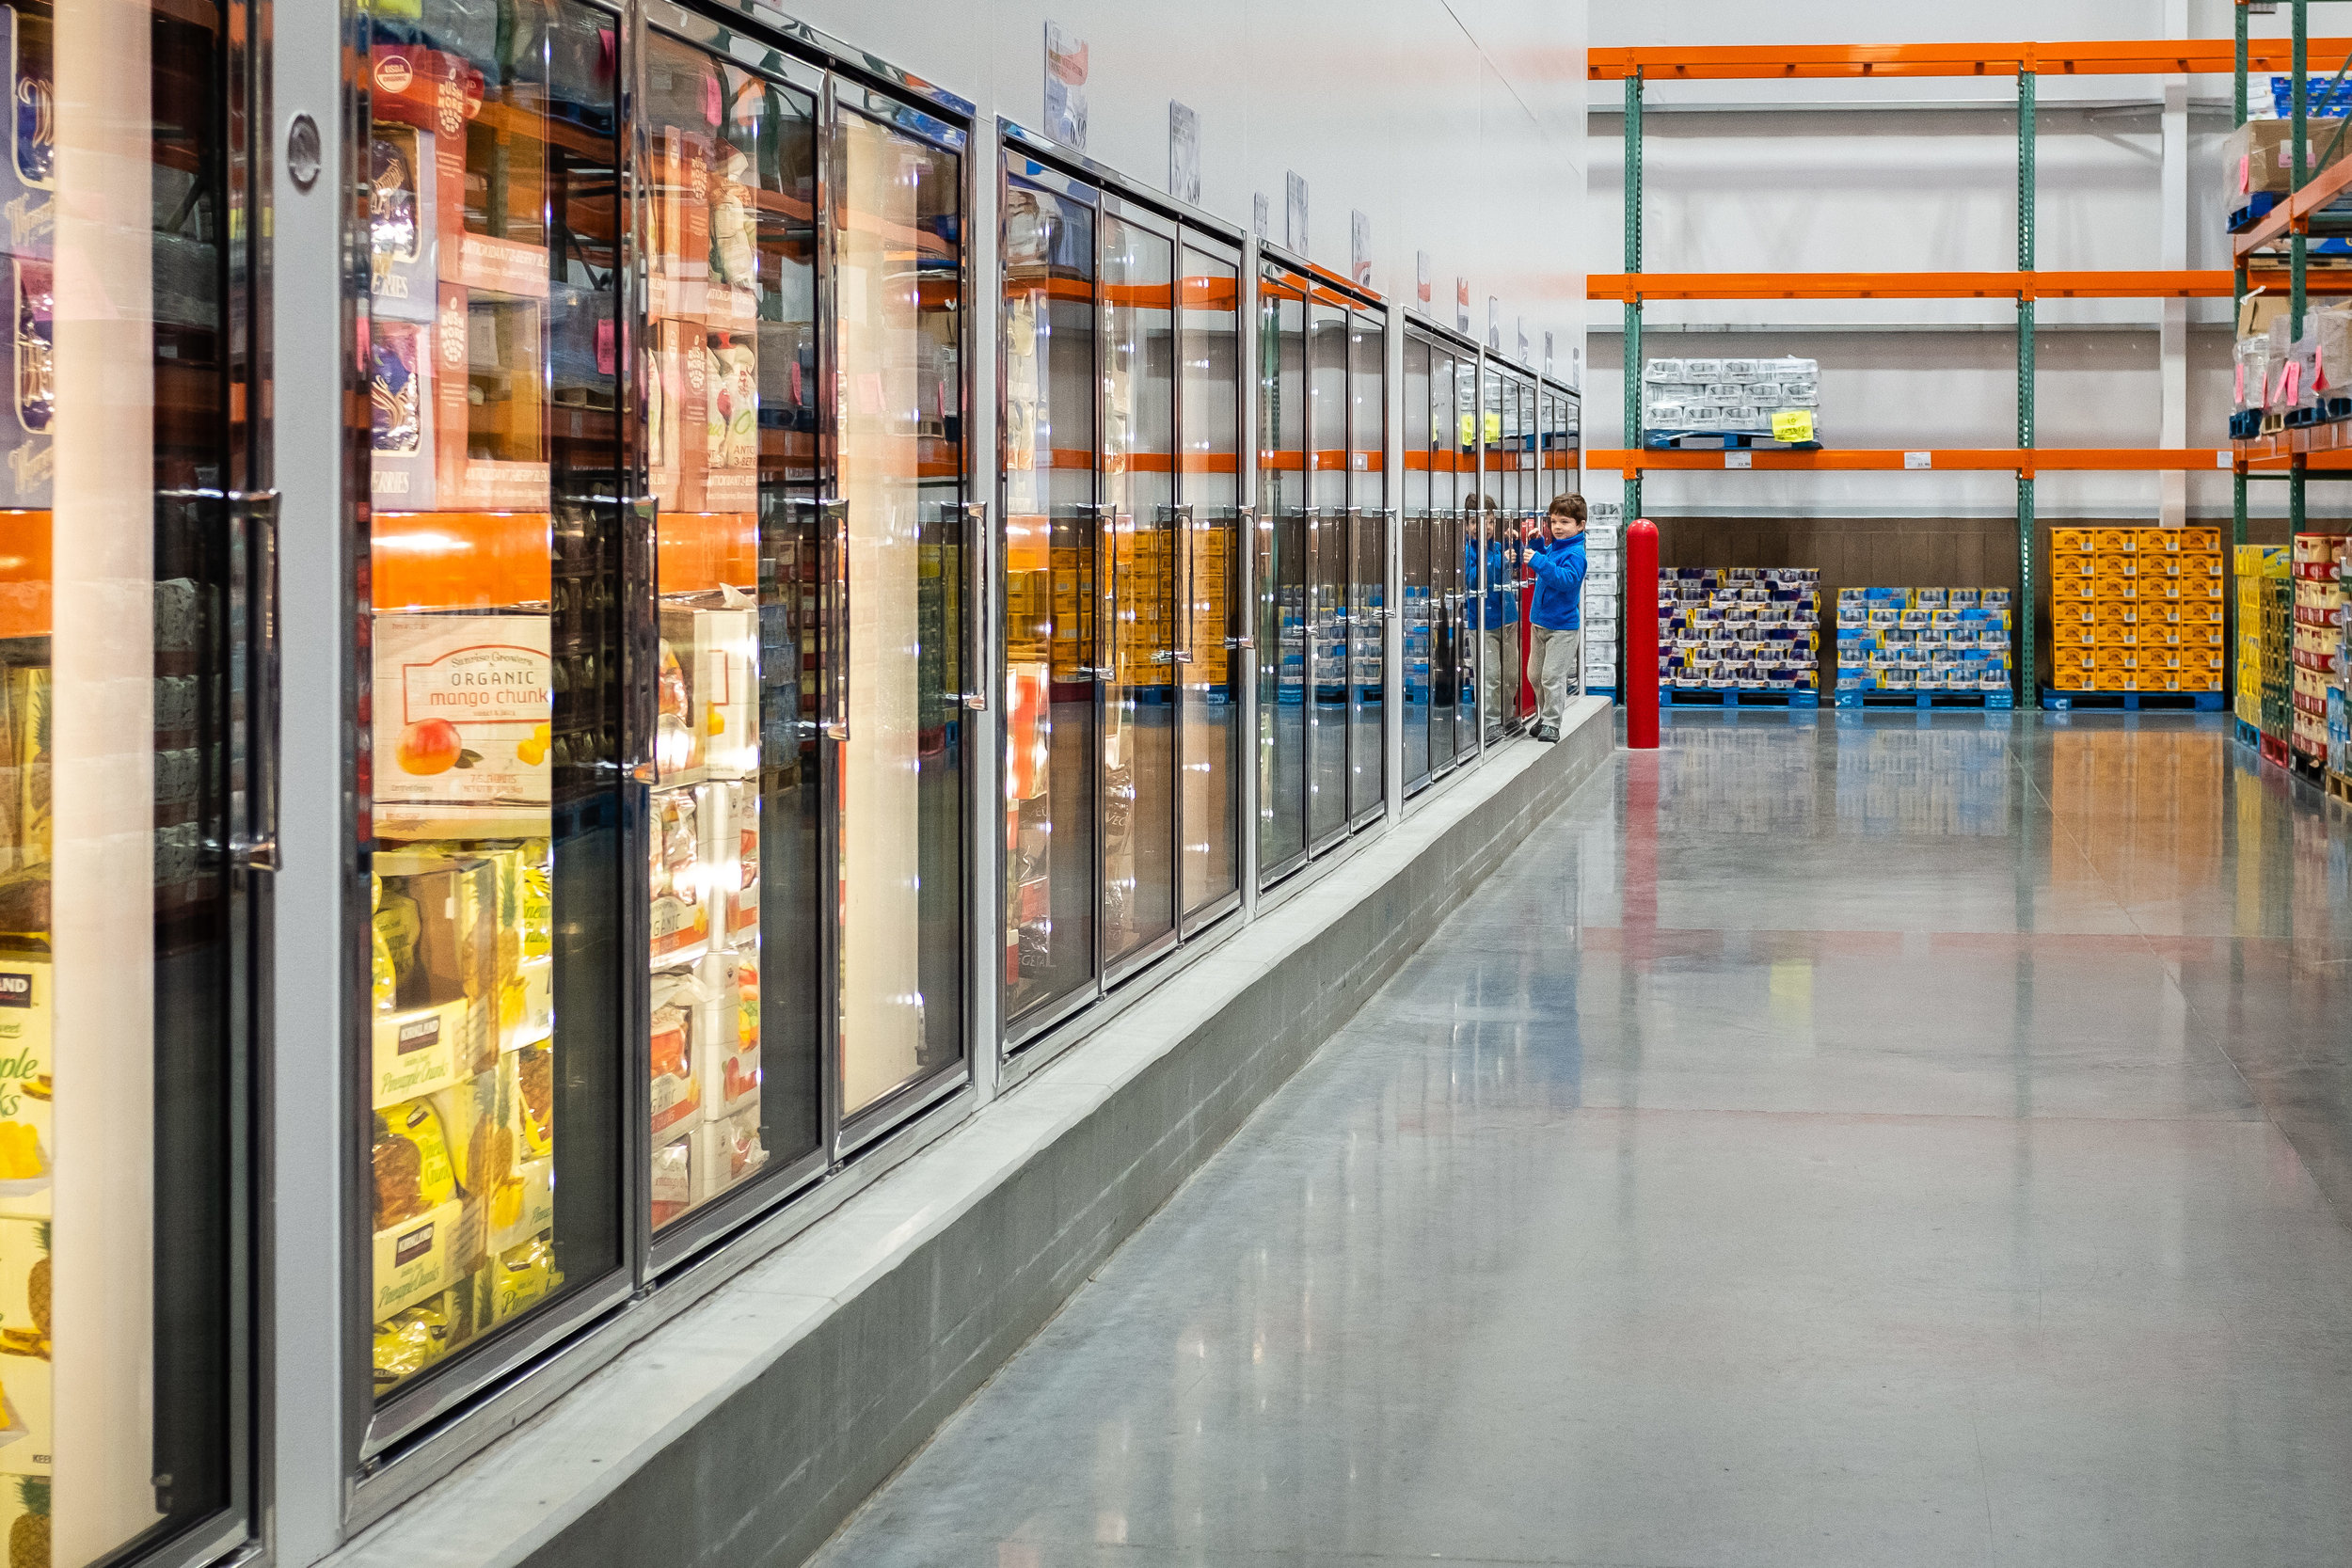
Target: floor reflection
(1843, 1140)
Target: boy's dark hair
(1572, 505)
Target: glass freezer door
(1210, 621)
(1281, 574)
(493, 1071)
(1051, 758)
(1414, 683)
(1136, 583)
(137, 616)
(1367, 568)
(1327, 531)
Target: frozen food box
(440, 94)
(404, 455)
(679, 205)
(731, 421)
(28, 434)
(681, 906)
(725, 642)
(462, 716)
(729, 815)
(677, 413)
(419, 1050)
(404, 223)
(500, 461)
(726, 1153)
(26, 1378)
(527, 1080)
(525, 1206)
(726, 1034)
(522, 1276)
(413, 1259)
(678, 1011)
(28, 1086)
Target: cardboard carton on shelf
(677, 415)
(413, 1259)
(463, 708)
(726, 1033)
(27, 1087)
(405, 221)
(679, 206)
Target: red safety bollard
(1641, 635)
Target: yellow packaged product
(413, 1174)
(409, 1342)
(520, 1277)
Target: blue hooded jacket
(1559, 565)
(1503, 599)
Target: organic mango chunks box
(462, 709)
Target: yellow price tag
(1470, 431)
(1794, 424)
(1494, 428)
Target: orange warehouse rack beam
(1771, 63)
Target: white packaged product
(1663, 370)
(1702, 370)
(1740, 370)
(1783, 370)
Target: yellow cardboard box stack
(2256, 565)
(2136, 608)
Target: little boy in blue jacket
(1557, 617)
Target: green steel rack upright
(2027, 619)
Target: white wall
(1455, 128)
(1800, 177)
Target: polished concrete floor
(1854, 1140)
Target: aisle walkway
(1818, 1148)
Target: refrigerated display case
(1440, 564)
(1320, 564)
(668, 659)
(1121, 437)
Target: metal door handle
(835, 514)
(979, 582)
(1180, 519)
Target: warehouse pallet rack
(2315, 450)
(2028, 63)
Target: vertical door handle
(1245, 565)
(252, 654)
(1177, 520)
(978, 584)
(834, 519)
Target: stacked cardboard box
(2317, 613)
(1745, 628)
(1730, 396)
(2135, 609)
(2259, 566)
(1603, 584)
(1923, 639)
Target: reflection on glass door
(1050, 723)
(495, 1068)
(1419, 624)
(1209, 481)
(1445, 564)
(1136, 578)
(1462, 557)
(896, 220)
(1327, 531)
(737, 999)
(131, 609)
(1281, 574)
(1368, 569)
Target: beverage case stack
(1604, 543)
(2313, 633)
(1741, 629)
(2339, 714)
(1732, 397)
(2135, 609)
(2258, 567)
(1952, 639)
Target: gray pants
(1555, 662)
(1500, 678)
